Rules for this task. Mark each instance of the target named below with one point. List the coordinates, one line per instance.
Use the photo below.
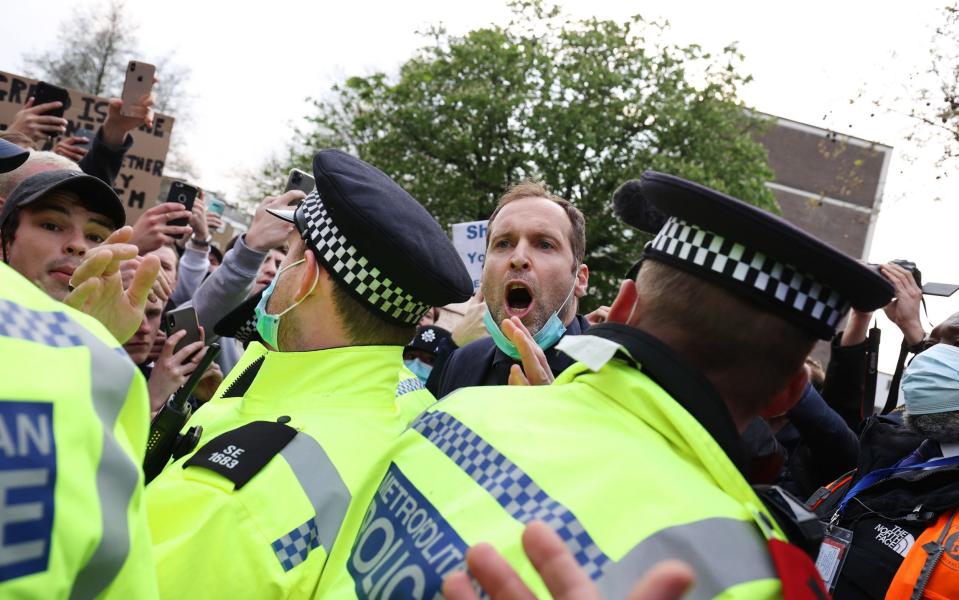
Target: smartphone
(217, 206)
(87, 134)
(182, 318)
(138, 84)
(182, 193)
(940, 289)
(47, 92)
(298, 180)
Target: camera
(169, 323)
(931, 289)
(911, 267)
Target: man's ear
(624, 304)
(311, 273)
(582, 281)
(789, 396)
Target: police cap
(428, 339)
(759, 256)
(376, 240)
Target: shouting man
(533, 278)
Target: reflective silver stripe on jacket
(326, 491)
(722, 552)
(117, 475)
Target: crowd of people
(357, 439)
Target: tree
(582, 105)
(935, 106)
(91, 54)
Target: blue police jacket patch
(28, 475)
(405, 548)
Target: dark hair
(9, 230)
(535, 189)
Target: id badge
(832, 554)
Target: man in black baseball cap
(51, 220)
(305, 417)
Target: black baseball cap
(11, 156)
(96, 195)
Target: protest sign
(469, 239)
(138, 183)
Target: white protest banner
(469, 239)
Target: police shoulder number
(241, 453)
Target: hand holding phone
(183, 319)
(36, 122)
(74, 147)
(185, 194)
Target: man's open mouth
(519, 299)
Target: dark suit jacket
(482, 363)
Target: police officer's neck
(313, 327)
(724, 383)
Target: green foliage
(582, 105)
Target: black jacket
(482, 363)
(104, 162)
(820, 445)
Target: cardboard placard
(138, 183)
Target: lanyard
(881, 474)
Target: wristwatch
(203, 243)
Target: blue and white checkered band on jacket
(779, 283)
(354, 270)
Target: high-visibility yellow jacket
(607, 458)
(74, 418)
(268, 537)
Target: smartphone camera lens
(181, 198)
(140, 78)
(133, 66)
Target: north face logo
(895, 538)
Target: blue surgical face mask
(931, 382)
(267, 325)
(545, 338)
(419, 368)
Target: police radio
(165, 441)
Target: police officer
(298, 430)
(73, 428)
(633, 455)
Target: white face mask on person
(267, 325)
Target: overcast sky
(253, 68)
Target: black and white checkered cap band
(354, 270)
(779, 282)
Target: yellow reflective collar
(352, 376)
